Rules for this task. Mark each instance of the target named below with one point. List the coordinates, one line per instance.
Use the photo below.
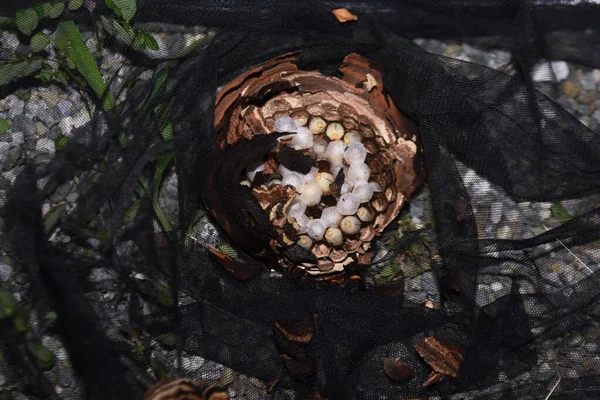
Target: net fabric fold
(471, 118)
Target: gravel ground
(40, 117)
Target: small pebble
(560, 69)
(570, 89)
(45, 145)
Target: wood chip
(434, 377)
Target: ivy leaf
(3, 125)
(54, 10)
(39, 41)
(26, 20)
(70, 42)
(13, 71)
(7, 304)
(123, 8)
(44, 358)
(75, 4)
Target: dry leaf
(239, 270)
(270, 385)
(396, 370)
(298, 331)
(184, 389)
(442, 358)
(343, 15)
(434, 377)
(299, 368)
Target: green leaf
(162, 163)
(159, 83)
(167, 131)
(53, 216)
(39, 10)
(164, 122)
(54, 9)
(26, 20)
(39, 41)
(3, 125)
(560, 213)
(13, 71)
(167, 339)
(75, 4)
(227, 249)
(7, 22)
(61, 142)
(138, 41)
(151, 43)
(49, 75)
(131, 213)
(7, 304)
(385, 275)
(21, 318)
(50, 316)
(70, 42)
(123, 8)
(164, 295)
(44, 358)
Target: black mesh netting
(139, 215)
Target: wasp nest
(345, 161)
